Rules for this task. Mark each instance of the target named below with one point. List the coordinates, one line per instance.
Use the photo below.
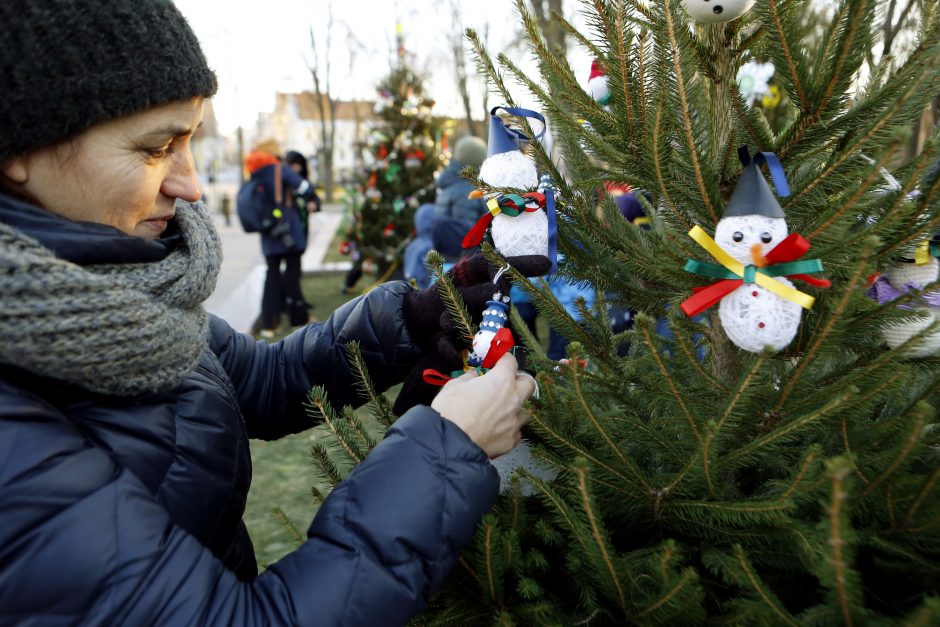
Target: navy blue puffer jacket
(127, 511)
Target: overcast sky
(259, 48)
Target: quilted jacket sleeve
(272, 380)
(84, 542)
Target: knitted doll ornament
(759, 306)
(905, 276)
(493, 339)
(710, 11)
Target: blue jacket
(452, 191)
(418, 248)
(292, 183)
(127, 511)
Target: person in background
(452, 188)
(443, 224)
(298, 163)
(126, 410)
(418, 248)
(284, 244)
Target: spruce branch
(782, 43)
(712, 432)
(337, 427)
(326, 465)
(285, 521)
(688, 578)
(643, 325)
(563, 441)
(379, 406)
(922, 412)
(811, 456)
(600, 541)
(848, 451)
(859, 191)
(685, 109)
(659, 164)
(820, 336)
(622, 55)
(522, 329)
(317, 496)
(575, 371)
(359, 429)
(449, 294)
(488, 527)
(788, 429)
(843, 581)
(922, 494)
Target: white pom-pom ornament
(711, 11)
(509, 169)
(905, 276)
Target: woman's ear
(15, 170)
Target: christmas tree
(401, 156)
(751, 451)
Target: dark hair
(295, 158)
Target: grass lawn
(283, 469)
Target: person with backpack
(275, 191)
(126, 410)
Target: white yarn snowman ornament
(711, 11)
(912, 275)
(759, 306)
(516, 221)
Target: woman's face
(126, 173)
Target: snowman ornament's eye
(766, 237)
(711, 11)
(738, 236)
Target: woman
(125, 411)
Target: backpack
(256, 204)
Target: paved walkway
(237, 296)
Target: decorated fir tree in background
(761, 448)
(401, 157)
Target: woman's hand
(488, 408)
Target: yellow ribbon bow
(922, 256)
(704, 240)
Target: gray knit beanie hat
(66, 65)
(470, 151)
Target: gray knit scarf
(117, 329)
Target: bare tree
(460, 63)
(356, 46)
(551, 30)
(326, 107)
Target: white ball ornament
(752, 316)
(759, 308)
(509, 169)
(903, 277)
(712, 11)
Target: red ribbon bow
(532, 201)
